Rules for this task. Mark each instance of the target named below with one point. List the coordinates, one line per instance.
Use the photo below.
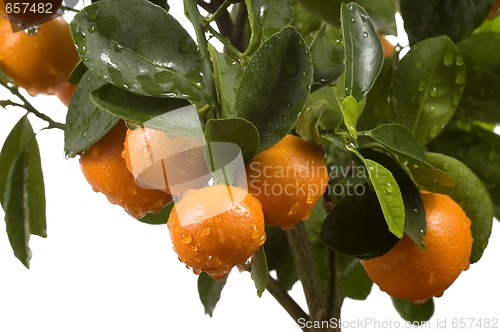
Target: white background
(101, 270)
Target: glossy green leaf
(227, 75)
(236, 130)
(307, 125)
(399, 140)
(209, 290)
(22, 189)
(356, 227)
(266, 18)
(428, 84)
(85, 122)
(389, 195)
(134, 56)
(279, 257)
(275, 85)
(260, 271)
(328, 59)
(364, 55)
(417, 314)
(415, 224)
(139, 109)
(481, 100)
(353, 280)
(77, 73)
(332, 116)
(159, 218)
(454, 18)
(477, 50)
(468, 191)
(351, 113)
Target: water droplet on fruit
(295, 209)
(255, 233)
(186, 237)
(205, 231)
(220, 234)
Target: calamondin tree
(286, 138)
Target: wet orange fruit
(106, 171)
(216, 228)
(411, 273)
(288, 179)
(41, 61)
(174, 164)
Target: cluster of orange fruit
(40, 59)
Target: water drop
(117, 47)
(364, 17)
(416, 211)
(431, 110)
(186, 237)
(434, 92)
(261, 18)
(80, 42)
(205, 231)
(365, 34)
(185, 44)
(459, 61)
(295, 209)
(221, 236)
(448, 59)
(460, 78)
(389, 188)
(422, 86)
(353, 20)
(288, 106)
(394, 102)
(255, 233)
(91, 28)
(92, 13)
(445, 166)
(456, 99)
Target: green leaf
(307, 125)
(417, 314)
(85, 122)
(236, 130)
(427, 87)
(266, 18)
(455, 18)
(332, 116)
(356, 227)
(155, 59)
(279, 257)
(22, 190)
(351, 113)
(328, 59)
(275, 85)
(477, 49)
(159, 218)
(227, 75)
(389, 196)
(495, 198)
(481, 100)
(76, 75)
(210, 290)
(415, 224)
(139, 109)
(469, 192)
(364, 55)
(353, 280)
(260, 271)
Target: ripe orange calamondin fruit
(39, 61)
(216, 228)
(105, 169)
(411, 273)
(288, 179)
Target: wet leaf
(351, 113)
(260, 271)
(428, 85)
(328, 59)
(85, 122)
(307, 125)
(159, 218)
(417, 314)
(210, 290)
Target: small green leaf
(260, 271)
(389, 196)
(353, 280)
(398, 140)
(307, 125)
(415, 220)
(275, 85)
(210, 290)
(427, 87)
(468, 191)
(417, 314)
(328, 59)
(266, 18)
(356, 226)
(227, 75)
(85, 122)
(235, 130)
(155, 59)
(364, 55)
(159, 218)
(454, 18)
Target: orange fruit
(174, 164)
(388, 47)
(288, 179)
(41, 61)
(106, 171)
(411, 273)
(65, 91)
(216, 228)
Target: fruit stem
(335, 297)
(308, 271)
(286, 301)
